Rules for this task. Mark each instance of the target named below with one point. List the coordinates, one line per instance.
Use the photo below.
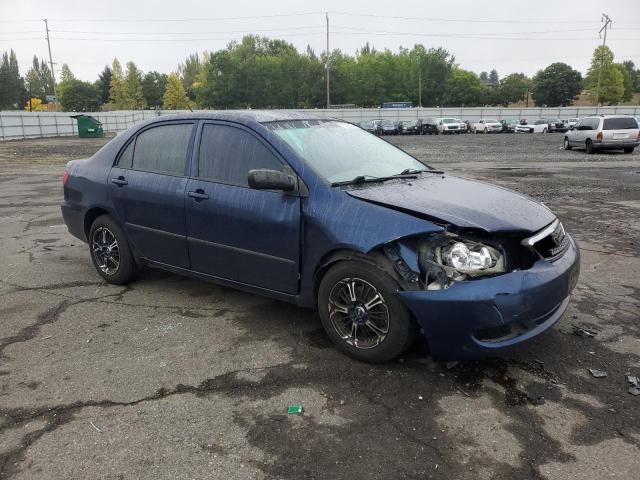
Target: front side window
(228, 153)
(163, 149)
(339, 151)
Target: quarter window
(228, 153)
(163, 149)
(126, 158)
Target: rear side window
(126, 158)
(228, 153)
(163, 149)
(622, 123)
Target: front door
(235, 232)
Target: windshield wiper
(407, 173)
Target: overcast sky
(511, 36)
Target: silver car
(605, 132)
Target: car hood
(460, 202)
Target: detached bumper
(485, 317)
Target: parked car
(430, 126)
(606, 132)
(488, 125)
(410, 127)
(370, 126)
(467, 126)
(539, 126)
(387, 127)
(449, 125)
(509, 125)
(555, 125)
(322, 214)
(570, 122)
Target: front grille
(554, 244)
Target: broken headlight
(444, 259)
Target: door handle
(120, 181)
(198, 195)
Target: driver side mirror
(263, 179)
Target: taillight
(639, 136)
(65, 177)
(599, 136)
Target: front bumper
(485, 317)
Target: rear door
(235, 232)
(151, 191)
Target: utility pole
(53, 75)
(607, 21)
(328, 63)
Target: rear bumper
(73, 217)
(486, 317)
(614, 145)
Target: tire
(395, 329)
(588, 147)
(566, 144)
(105, 231)
(628, 150)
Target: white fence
(17, 125)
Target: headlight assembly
(468, 257)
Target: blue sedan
(320, 213)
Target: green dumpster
(88, 127)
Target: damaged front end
(473, 294)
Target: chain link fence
(19, 125)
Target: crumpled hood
(460, 202)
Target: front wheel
(628, 150)
(567, 145)
(110, 252)
(362, 314)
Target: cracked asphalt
(175, 378)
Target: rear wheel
(588, 147)
(110, 252)
(628, 150)
(362, 314)
(567, 145)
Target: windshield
(450, 120)
(339, 151)
(491, 120)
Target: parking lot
(176, 378)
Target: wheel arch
(90, 217)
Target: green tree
(133, 87)
(435, 65)
(79, 96)
(494, 79)
(153, 86)
(556, 85)
(40, 79)
(513, 88)
(188, 71)
(117, 92)
(484, 76)
(104, 83)
(634, 74)
(464, 88)
(627, 82)
(175, 96)
(66, 74)
(12, 90)
(609, 76)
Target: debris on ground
(634, 384)
(294, 409)
(597, 373)
(582, 331)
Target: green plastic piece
(294, 409)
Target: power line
(197, 19)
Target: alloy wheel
(358, 313)
(105, 250)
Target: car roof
(243, 116)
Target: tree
(627, 82)
(494, 79)
(12, 89)
(104, 83)
(133, 88)
(634, 74)
(117, 93)
(154, 85)
(436, 65)
(609, 76)
(175, 97)
(556, 85)
(484, 76)
(40, 79)
(464, 88)
(188, 71)
(513, 88)
(66, 74)
(80, 96)
(34, 104)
